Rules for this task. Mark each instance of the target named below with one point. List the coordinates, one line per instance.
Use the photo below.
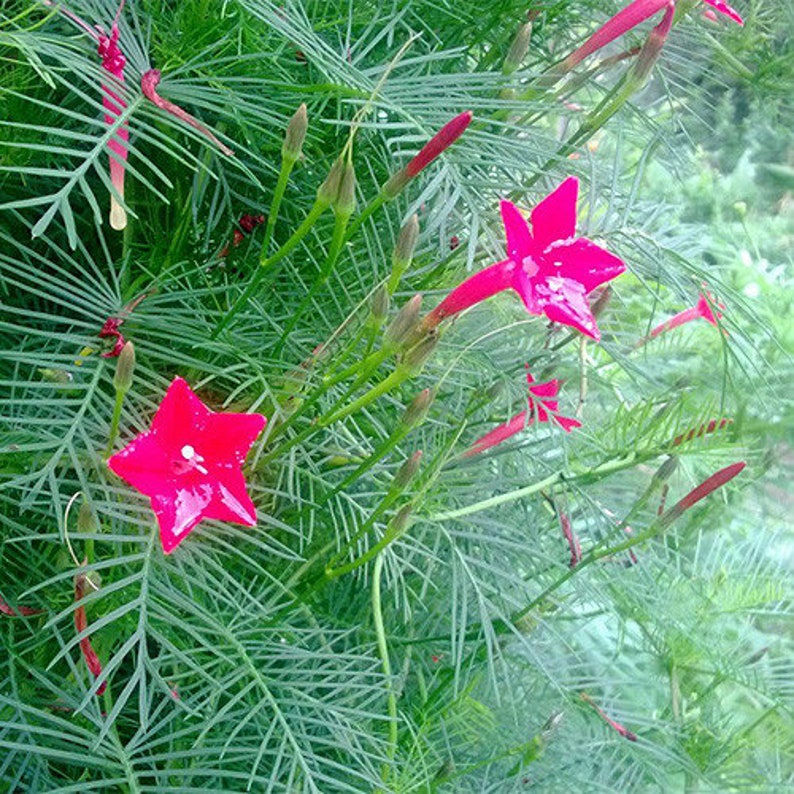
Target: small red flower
(550, 269)
(702, 309)
(189, 464)
(541, 408)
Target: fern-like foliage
(429, 635)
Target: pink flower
(113, 62)
(189, 464)
(703, 309)
(551, 270)
(541, 408)
(627, 18)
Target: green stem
(278, 194)
(372, 207)
(383, 650)
(114, 422)
(390, 382)
(334, 573)
(387, 446)
(334, 249)
(266, 263)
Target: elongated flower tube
(702, 309)
(17, 611)
(149, 82)
(627, 18)
(708, 486)
(113, 62)
(541, 408)
(550, 268)
(616, 726)
(81, 624)
(571, 539)
(442, 140)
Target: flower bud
(295, 136)
(380, 306)
(397, 526)
(345, 201)
(404, 323)
(125, 366)
(404, 251)
(329, 190)
(666, 470)
(415, 358)
(416, 412)
(652, 48)
(518, 49)
(442, 140)
(407, 471)
(86, 522)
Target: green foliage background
(233, 664)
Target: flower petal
(564, 301)
(583, 261)
(226, 438)
(144, 464)
(724, 8)
(555, 217)
(180, 417)
(567, 423)
(500, 433)
(519, 239)
(231, 502)
(179, 510)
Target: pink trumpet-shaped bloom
(541, 408)
(189, 464)
(149, 82)
(703, 309)
(113, 62)
(627, 18)
(551, 270)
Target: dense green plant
(384, 628)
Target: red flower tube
(149, 82)
(442, 140)
(81, 624)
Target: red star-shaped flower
(551, 270)
(189, 464)
(541, 408)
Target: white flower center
(188, 452)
